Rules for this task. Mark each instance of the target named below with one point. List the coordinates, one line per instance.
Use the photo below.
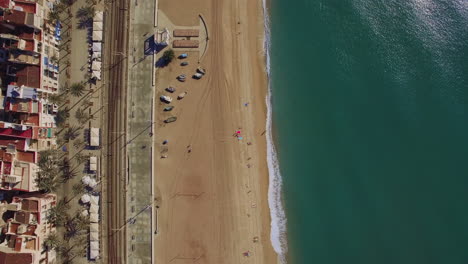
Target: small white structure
(94, 227)
(98, 16)
(97, 75)
(97, 26)
(97, 35)
(94, 140)
(162, 38)
(85, 198)
(166, 98)
(97, 47)
(96, 66)
(85, 180)
(94, 250)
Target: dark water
(371, 122)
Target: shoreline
(275, 200)
(215, 207)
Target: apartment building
(26, 228)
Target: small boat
(181, 96)
(201, 70)
(170, 119)
(170, 89)
(166, 98)
(168, 108)
(197, 76)
(185, 63)
(183, 56)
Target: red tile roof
(5, 3)
(16, 258)
(15, 17)
(29, 76)
(28, 7)
(16, 133)
(20, 144)
(26, 156)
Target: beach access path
(212, 187)
(140, 96)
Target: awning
(94, 209)
(94, 254)
(97, 35)
(93, 218)
(94, 227)
(97, 25)
(97, 75)
(92, 182)
(96, 66)
(97, 46)
(94, 236)
(94, 199)
(85, 198)
(98, 16)
(85, 180)
(96, 55)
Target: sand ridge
(212, 188)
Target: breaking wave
(275, 202)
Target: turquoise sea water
(370, 121)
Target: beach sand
(213, 200)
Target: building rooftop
(21, 91)
(186, 32)
(26, 6)
(5, 3)
(29, 205)
(15, 258)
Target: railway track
(115, 77)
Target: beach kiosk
(93, 163)
(94, 140)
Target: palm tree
(71, 133)
(78, 188)
(57, 99)
(51, 242)
(77, 89)
(78, 143)
(81, 116)
(62, 116)
(66, 171)
(54, 15)
(168, 56)
(74, 227)
(85, 15)
(47, 182)
(81, 158)
(58, 214)
(85, 12)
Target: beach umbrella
(85, 180)
(85, 198)
(92, 183)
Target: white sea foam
(278, 216)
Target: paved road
(113, 135)
(139, 148)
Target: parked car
(168, 108)
(181, 77)
(170, 119)
(197, 76)
(170, 89)
(185, 63)
(183, 56)
(166, 99)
